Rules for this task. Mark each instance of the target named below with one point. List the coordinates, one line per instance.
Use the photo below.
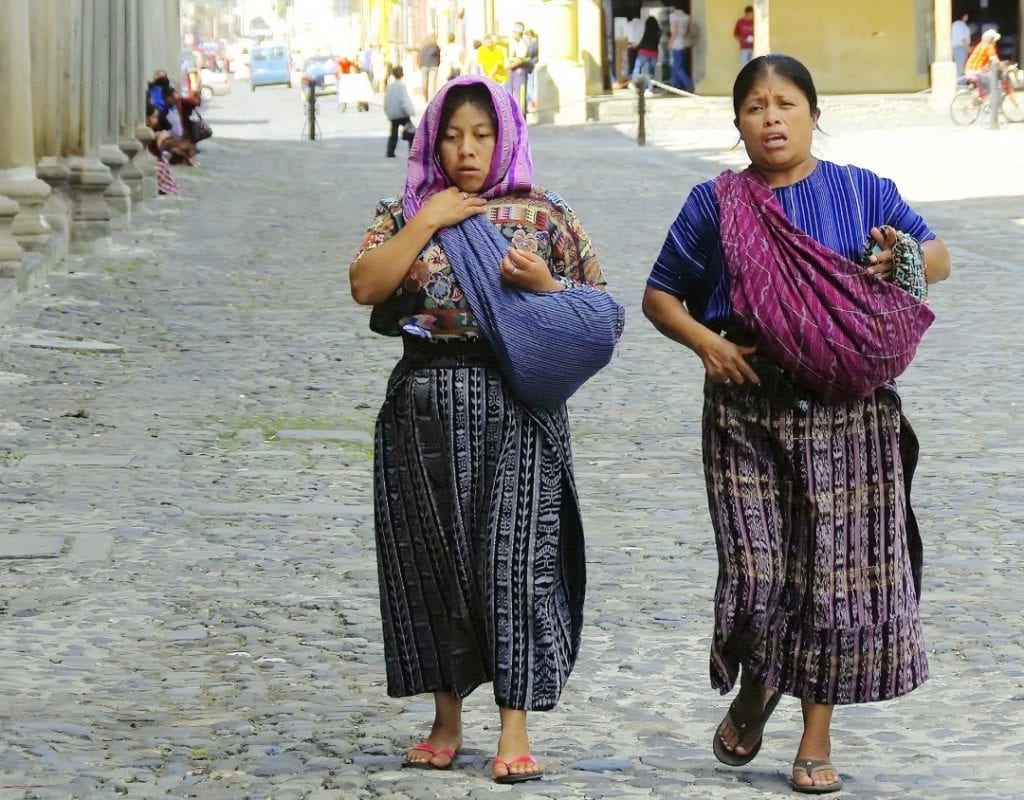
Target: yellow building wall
(867, 46)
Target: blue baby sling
(547, 344)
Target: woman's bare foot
(513, 745)
(445, 735)
(815, 745)
(748, 708)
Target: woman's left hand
(528, 271)
(880, 264)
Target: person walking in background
(451, 60)
(518, 65)
(429, 60)
(532, 59)
(743, 30)
(961, 35)
(679, 27)
(808, 479)
(471, 66)
(399, 110)
(492, 60)
(478, 528)
(647, 50)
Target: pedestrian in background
(399, 110)
(819, 552)
(743, 30)
(532, 59)
(492, 60)
(679, 26)
(429, 61)
(479, 535)
(961, 35)
(518, 64)
(471, 66)
(647, 50)
(451, 60)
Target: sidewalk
(185, 445)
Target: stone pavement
(185, 444)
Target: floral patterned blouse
(539, 221)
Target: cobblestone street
(185, 470)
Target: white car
(211, 83)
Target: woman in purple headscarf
(479, 536)
(807, 457)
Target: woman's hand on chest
(526, 270)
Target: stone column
(90, 215)
(111, 27)
(57, 208)
(561, 79)
(17, 146)
(130, 172)
(132, 110)
(11, 254)
(88, 178)
(145, 161)
(943, 69)
(762, 28)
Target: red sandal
(427, 747)
(518, 777)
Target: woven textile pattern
(816, 592)
(839, 332)
(479, 537)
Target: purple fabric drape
(511, 167)
(839, 332)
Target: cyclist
(983, 58)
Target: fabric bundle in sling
(837, 331)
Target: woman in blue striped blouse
(819, 553)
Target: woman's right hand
(451, 207)
(725, 362)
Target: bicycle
(972, 101)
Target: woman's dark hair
(161, 118)
(785, 67)
(474, 94)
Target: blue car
(270, 64)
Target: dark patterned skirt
(819, 554)
(479, 537)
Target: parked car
(269, 64)
(211, 83)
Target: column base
(943, 75)
(29, 227)
(90, 214)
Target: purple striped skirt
(817, 545)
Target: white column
(943, 69)
(11, 255)
(17, 145)
(762, 28)
(57, 208)
(90, 214)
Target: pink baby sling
(839, 333)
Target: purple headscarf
(511, 166)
